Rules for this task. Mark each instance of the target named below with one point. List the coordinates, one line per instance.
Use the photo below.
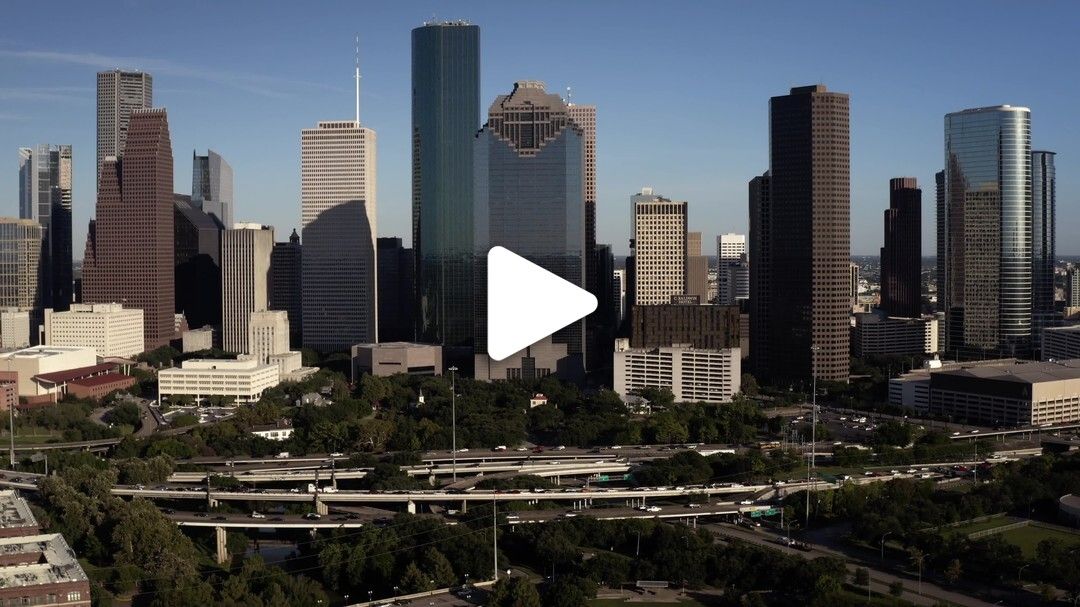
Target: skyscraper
(197, 269)
(1043, 201)
(212, 186)
(988, 238)
(245, 281)
(445, 118)
(20, 265)
(808, 244)
(337, 192)
(760, 203)
(529, 196)
(697, 268)
(730, 246)
(597, 332)
(396, 286)
(45, 197)
(942, 236)
(118, 94)
(129, 255)
(286, 286)
(659, 245)
(901, 257)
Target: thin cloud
(265, 86)
(47, 93)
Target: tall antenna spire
(358, 80)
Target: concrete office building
(196, 340)
(16, 517)
(119, 93)
(130, 257)
(877, 334)
(901, 257)
(1019, 394)
(20, 265)
(244, 380)
(529, 196)
(619, 293)
(853, 288)
(268, 342)
(390, 358)
(111, 330)
(701, 326)
(730, 246)
(1043, 244)
(41, 569)
(911, 390)
(45, 197)
(197, 269)
(245, 281)
(1072, 288)
(445, 118)
(806, 320)
(988, 237)
(543, 358)
(1061, 343)
(659, 247)
(338, 274)
(600, 324)
(15, 328)
(697, 268)
(285, 284)
(692, 374)
(212, 186)
(397, 268)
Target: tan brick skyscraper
(129, 251)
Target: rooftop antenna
(568, 94)
(358, 80)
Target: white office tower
(245, 281)
(337, 194)
(659, 248)
(730, 246)
(14, 328)
(118, 93)
(692, 374)
(110, 329)
(268, 340)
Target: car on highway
(522, 449)
(201, 515)
(561, 448)
(499, 448)
(746, 503)
(337, 454)
(693, 505)
(569, 514)
(653, 509)
(463, 450)
(313, 516)
(257, 514)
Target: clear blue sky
(682, 89)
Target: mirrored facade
(989, 231)
(445, 118)
(1043, 199)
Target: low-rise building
(1020, 393)
(30, 363)
(268, 343)
(244, 380)
(912, 390)
(394, 357)
(692, 374)
(92, 383)
(280, 430)
(1059, 343)
(535, 400)
(16, 518)
(41, 569)
(110, 329)
(198, 340)
(874, 333)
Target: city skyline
(249, 108)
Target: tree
(569, 591)
(749, 385)
(861, 577)
(514, 592)
(414, 580)
(953, 571)
(896, 588)
(439, 566)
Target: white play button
(526, 303)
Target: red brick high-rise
(129, 250)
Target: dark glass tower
(942, 246)
(809, 303)
(1043, 199)
(901, 257)
(286, 288)
(445, 118)
(197, 247)
(989, 232)
(530, 197)
(760, 266)
(395, 278)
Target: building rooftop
(61, 377)
(15, 512)
(100, 380)
(396, 345)
(44, 351)
(38, 560)
(1023, 372)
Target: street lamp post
(453, 420)
(883, 536)
(812, 465)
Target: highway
(271, 521)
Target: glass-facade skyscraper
(988, 231)
(212, 187)
(45, 197)
(530, 197)
(1043, 199)
(445, 118)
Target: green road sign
(767, 512)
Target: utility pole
(494, 534)
(453, 419)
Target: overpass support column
(222, 548)
(464, 506)
(410, 507)
(558, 481)
(211, 502)
(320, 506)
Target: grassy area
(1029, 536)
(35, 436)
(993, 523)
(683, 602)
